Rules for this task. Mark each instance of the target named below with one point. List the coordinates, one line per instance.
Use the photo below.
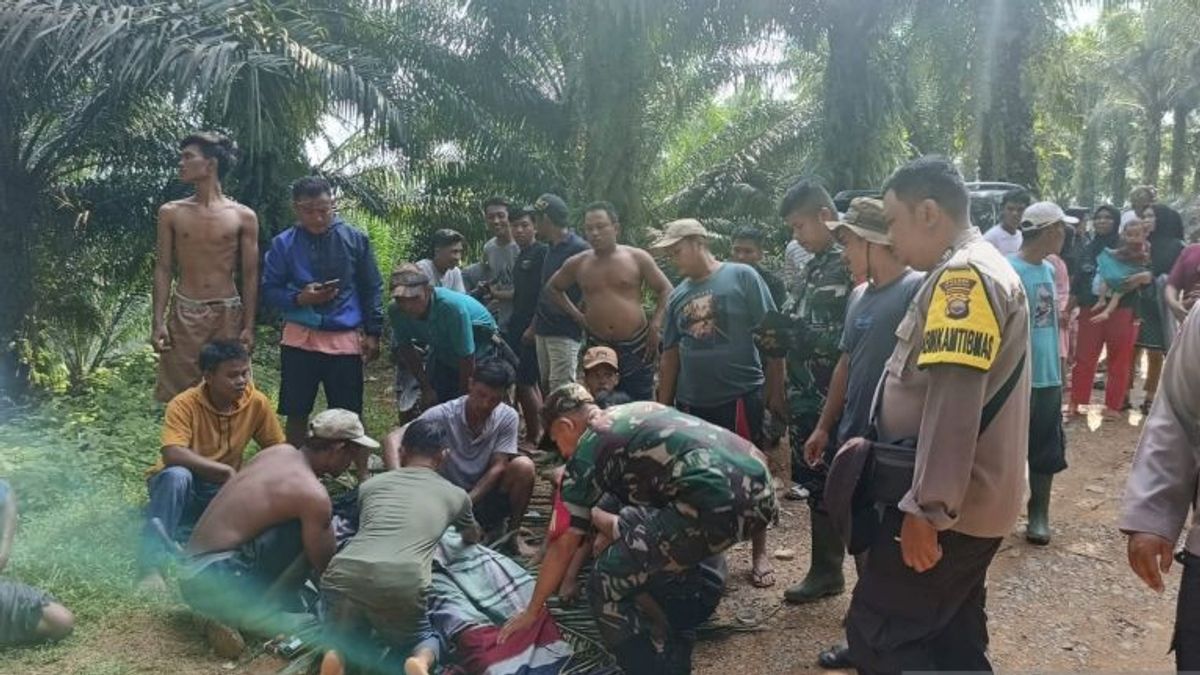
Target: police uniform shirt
(963, 336)
(1162, 485)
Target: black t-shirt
(527, 286)
(553, 322)
(774, 284)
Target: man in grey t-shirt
(873, 314)
(499, 255)
(481, 432)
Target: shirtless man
(611, 277)
(267, 526)
(207, 235)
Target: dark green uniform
(817, 314)
(707, 488)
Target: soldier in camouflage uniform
(707, 487)
(814, 323)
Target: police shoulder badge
(960, 324)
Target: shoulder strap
(990, 409)
(993, 406)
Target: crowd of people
(917, 366)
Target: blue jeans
(177, 498)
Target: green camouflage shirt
(817, 314)
(652, 455)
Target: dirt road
(1071, 606)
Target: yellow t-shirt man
(192, 422)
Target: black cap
(554, 207)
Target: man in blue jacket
(322, 275)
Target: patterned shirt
(817, 315)
(652, 455)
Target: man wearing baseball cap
(633, 453)
(602, 376)
(1043, 228)
(458, 329)
(269, 515)
(557, 336)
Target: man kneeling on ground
(253, 547)
(481, 432)
(27, 615)
(381, 577)
(204, 435)
(710, 490)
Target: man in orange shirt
(205, 433)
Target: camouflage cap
(408, 281)
(563, 401)
(336, 424)
(865, 219)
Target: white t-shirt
(1007, 244)
(452, 279)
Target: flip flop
(764, 579)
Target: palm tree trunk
(852, 123)
(1118, 186)
(1153, 140)
(1087, 165)
(17, 214)
(1179, 148)
(1007, 151)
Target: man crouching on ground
(711, 490)
(380, 579)
(270, 524)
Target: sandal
(763, 579)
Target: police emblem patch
(958, 296)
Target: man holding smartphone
(321, 274)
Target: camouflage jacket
(816, 316)
(652, 455)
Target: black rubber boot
(1038, 530)
(824, 576)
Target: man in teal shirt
(457, 328)
(1043, 226)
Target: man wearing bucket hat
(1043, 228)
(267, 526)
(711, 366)
(868, 337)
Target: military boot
(1038, 530)
(824, 576)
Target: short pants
(216, 584)
(528, 374)
(20, 612)
(302, 371)
(1047, 442)
(191, 324)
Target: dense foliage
(417, 109)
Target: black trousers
(1186, 642)
(725, 415)
(900, 620)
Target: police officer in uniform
(1162, 488)
(960, 353)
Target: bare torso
(205, 249)
(277, 486)
(612, 293)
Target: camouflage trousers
(674, 540)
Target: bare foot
(152, 583)
(419, 663)
(331, 664)
(1111, 414)
(226, 642)
(762, 575)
